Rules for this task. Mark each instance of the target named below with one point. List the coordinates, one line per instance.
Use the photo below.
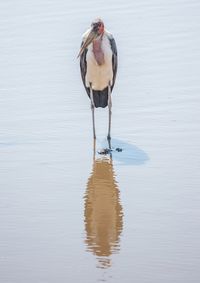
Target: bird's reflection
(103, 212)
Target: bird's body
(98, 64)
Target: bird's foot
(105, 151)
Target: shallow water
(67, 213)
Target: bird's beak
(91, 36)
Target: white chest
(99, 75)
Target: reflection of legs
(92, 108)
(109, 109)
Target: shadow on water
(130, 154)
(103, 214)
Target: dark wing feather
(83, 67)
(114, 58)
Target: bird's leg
(94, 150)
(109, 144)
(109, 110)
(92, 108)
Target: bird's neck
(97, 50)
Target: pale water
(67, 213)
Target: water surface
(67, 216)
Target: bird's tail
(100, 98)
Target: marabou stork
(98, 64)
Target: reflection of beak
(91, 36)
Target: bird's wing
(83, 67)
(114, 57)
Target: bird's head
(96, 30)
(97, 27)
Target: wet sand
(66, 214)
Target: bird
(98, 66)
